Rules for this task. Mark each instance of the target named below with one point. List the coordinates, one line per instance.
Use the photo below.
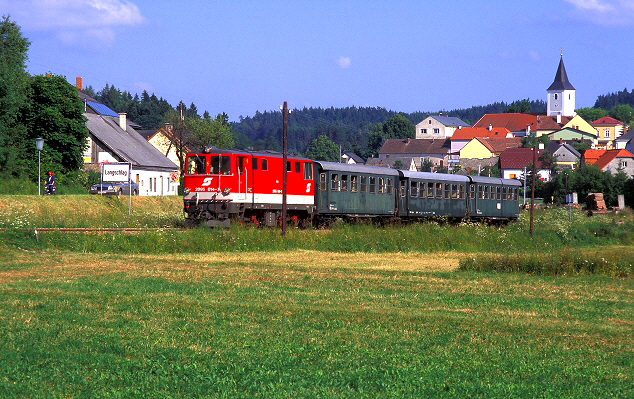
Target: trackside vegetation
(355, 311)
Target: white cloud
(344, 62)
(605, 12)
(74, 21)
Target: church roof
(561, 81)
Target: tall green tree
(399, 127)
(519, 106)
(591, 114)
(56, 113)
(14, 85)
(323, 149)
(622, 112)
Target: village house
(613, 161)
(438, 127)
(608, 129)
(112, 139)
(515, 162)
(485, 151)
(566, 157)
(435, 151)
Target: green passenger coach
(355, 191)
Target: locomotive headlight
(186, 190)
(226, 191)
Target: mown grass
(306, 324)
(353, 311)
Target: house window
(606, 133)
(623, 164)
(436, 130)
(423, 131)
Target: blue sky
(239, 56)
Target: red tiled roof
(415, 146)
(514, 122)
(602, 158)
(469, 133)
(606, 120)
(517, 158)
(498, 144)
(549, 122)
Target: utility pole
(533, 189)
(284, 165)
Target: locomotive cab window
(308, 171)
(265, 164)
(196, 165)
(254, 164)
(220, 165)
(298, 167)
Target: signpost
(118, 172)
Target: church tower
(561, 94)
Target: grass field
(381, 314)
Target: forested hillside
(348, 127)
(607, 101)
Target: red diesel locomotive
(221, 185)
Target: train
(247, 187)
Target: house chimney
(79, 83)
(123, 123)
(490, 127)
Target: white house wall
(153, 183)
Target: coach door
(244, 175)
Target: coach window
(430, 190)
(455, 193)
(265, 164)
(322, 182)
(505, 194)
(403, 188)
(390, 186)
(498, 193)
(413, 189)
(334, 182)
(472, 191)
(353, 183)
(515, 194)
(447, 190)
(422, 192)
(381, 185)
(344, 182)
(438, 190)
(481, 191)
(308, 171)
(196, 165)
(364, 185)
(372, 185)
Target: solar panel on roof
(101, 109)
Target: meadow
(426, 310)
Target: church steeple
(561, 93)
(561, 81)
